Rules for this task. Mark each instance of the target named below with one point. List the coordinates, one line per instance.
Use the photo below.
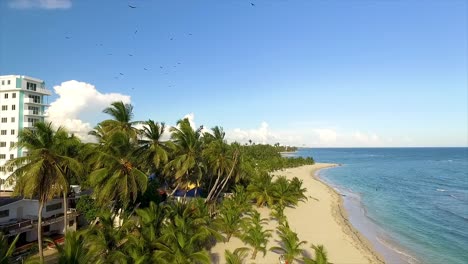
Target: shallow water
(411, 203)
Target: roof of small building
(9, 200)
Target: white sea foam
(440, 190)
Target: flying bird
(136, 31)
(145, 69)
(131, 6)
(109, 54)
(67, 37)
(252, 4)
(121, 74)
(160, 67)
(178, 63)
(171, 38)
(131, 55)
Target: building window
(36, 98)
(8, 82)
(12, 131)
(53, 207)
(3, 82)
(6, 96)
(12, 119)
(13, 95)
(4, 107)
(10, 169)
(4, 119)
(2, 168)
(12, 156)
(13, 107)
(2, 144)
(31, 86)
(3, 132)
(2, 156)
(4, 213)
(12, 143)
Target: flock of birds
(131, 55)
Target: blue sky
(314, 73)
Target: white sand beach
(319, 220)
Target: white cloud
(45, 4)
(260, 135)
(79, 107)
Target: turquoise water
(417, 196)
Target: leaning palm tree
(237, 257)
(255, 235)
(6, 249)
(116, 177)
(74, 251)
(41, 172)
(320, 256)
(261, 190)
(290, 243)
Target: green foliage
(290, 243)
(255, 235)
(87, 207)
(6, 249)
(320, 256)
(74, 250)
(237, 257)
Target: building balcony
(40, 91)
(28, 125)
(34, 113)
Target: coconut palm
(218, 157)
(153, 149)
(229, 219)
(6, 249)
(150, 222)
(186, 231)
(320, 256)
(237, 257)
(41, 173)
(255, 235)
(122, 120)
(261, 190)
(116, 176)
(74, 251)
(187, 166)
(290, 243)
(107, 242)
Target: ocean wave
(440, 190)
(461, 217)
(409, 259)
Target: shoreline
(322, 219)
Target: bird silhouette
(109, 54)
(67, 37)
(145, 69)
(178, 63)
(121, 73)
(171, 38)
(252, 4)
(136, 31)
(131, 6)
(161, 67)
(131, 55)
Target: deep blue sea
(413, 200)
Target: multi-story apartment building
(23, 101)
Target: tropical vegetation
(132, 166)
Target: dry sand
(319, 220)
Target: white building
(23, 101)
(18, 216)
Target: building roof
(9, 200)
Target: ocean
(411, 203)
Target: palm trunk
(65, 211)
(229, 175)
(254, 253)
(39, 231)
(215, 186)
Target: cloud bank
(44, 4)
(79, 107)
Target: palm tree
(290, 244)
(107, 242)
(320, 256)
(237, 257)
(116, 176)
(187, 165)
(261, 189)
(123, 115)
(150, 222)
(154, 150)
(6, 249)
(186, 231)
(74, 251)
(230, 219)
(41, 173)
(255, 235)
